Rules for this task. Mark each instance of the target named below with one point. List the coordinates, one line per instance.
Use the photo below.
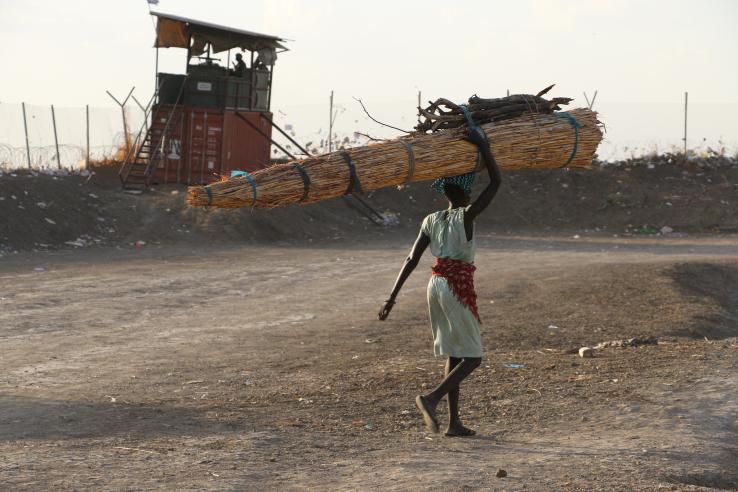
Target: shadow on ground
(24, 417)
(716, 284)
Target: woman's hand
(384, 312)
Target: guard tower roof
(173, 31)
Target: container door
(244, 148)
(167, 147)
(204, 143)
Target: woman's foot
(458, 430)
(429, 413)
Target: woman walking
(452, 301)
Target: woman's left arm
(407, 268)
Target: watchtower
(213, 118)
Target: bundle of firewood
(524, 132)
(434, 117)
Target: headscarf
(463, 181)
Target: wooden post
(686, 98)
(330, 124)
(87, 118)
(25, 128)
(56, 138)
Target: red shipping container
(244, 148)
(204, 144)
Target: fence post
(87, 118)
(25, 128)
(56, 138)
(686, 97)
(123, 112)
(330, 124)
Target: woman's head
(456, 188)
(456, 195)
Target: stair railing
(135, 145)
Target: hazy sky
(67, 52)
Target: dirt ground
(253, 368)
(146, 345)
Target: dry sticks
(485, 110)
(531, 138)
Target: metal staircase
(148, 148)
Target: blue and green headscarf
(463, 181)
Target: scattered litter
(78, 243)
(575, 236)
(41, 205)
(630, 342)
(510, 365)
(370, 426)
(195, 381)
(369, 340)
(354, 357)
(49, 221)
(134, 449)
(112, 398)
(390, 219)
(92, 195)
(139, 244)
(39, 269)
(586, 352)
(646, 231)
(553, 327)
(304, 400)
(666, 230)
(174, 192)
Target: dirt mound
(40, 211)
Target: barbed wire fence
(37, 137)
(63, 139)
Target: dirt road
(265, 369)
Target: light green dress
(455, 328)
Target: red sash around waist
(460, 277)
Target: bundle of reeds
(535, 138)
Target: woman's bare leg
(455, 427)
(456, 371)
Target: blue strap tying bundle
(410, 160)
(575, 124)
(305, 179)
(353, 178)
(244, 174)
(210, 195)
